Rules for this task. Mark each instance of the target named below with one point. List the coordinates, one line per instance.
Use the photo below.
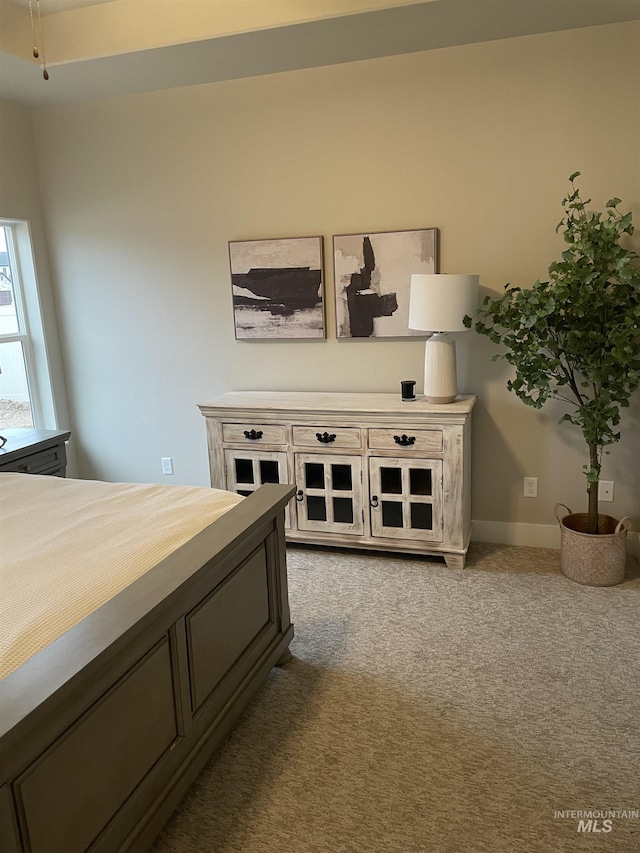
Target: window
(21, 332)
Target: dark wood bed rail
(102, 732)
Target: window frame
(31, 332)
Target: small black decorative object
(408, 387)
(253, 435)
(325, 437)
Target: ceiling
(101, 49)
(52, 7)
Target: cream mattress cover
(68, 546)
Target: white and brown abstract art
(372, 274)
(277, 288)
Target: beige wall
(142, 193)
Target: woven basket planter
(592, 559)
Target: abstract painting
(277, 288)
(372, 274)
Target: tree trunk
(592, 490)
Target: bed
(105, 727)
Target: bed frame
(102, 732)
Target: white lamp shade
(438, 303)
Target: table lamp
(438, 303)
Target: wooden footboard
(102, 732)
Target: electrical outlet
(167, 465)
(531, 487)
(605, 490)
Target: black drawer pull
(325, 437)
(374, 501)
(252, 434)
(299, 495)
(404, 440)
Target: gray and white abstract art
(277, 288)
(373, 278)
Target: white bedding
(68, 546)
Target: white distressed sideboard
(370, 470)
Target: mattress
(68, 546)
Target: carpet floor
(429, 710)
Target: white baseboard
(532, 535)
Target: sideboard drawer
(417, 440)
(254, 433)
(49, 461)
(34, 451)
(323, 436)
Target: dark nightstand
(34, 451)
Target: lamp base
(439, 400)
(440, 369)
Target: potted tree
(576, 338)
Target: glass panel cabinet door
(329, 493)
(406, 498)
(246, 470)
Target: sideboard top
(318, 401)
